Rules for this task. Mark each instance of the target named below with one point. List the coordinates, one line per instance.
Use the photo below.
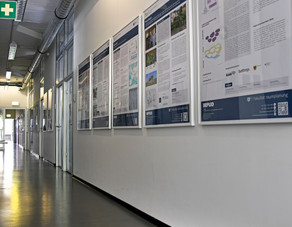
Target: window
(70, 60)
(64, 61)
(60, 69)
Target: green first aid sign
(7, 10)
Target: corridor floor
(33, 193)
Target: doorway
(64, 126)
(59, 127)
(12, 127)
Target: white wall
(234, 175)
(12, 94)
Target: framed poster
(245, 61)
(168, 75)
(126, 99)
(101, 87)
(83, 99)
(44, 113)
(50, 111)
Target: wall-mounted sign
(83, 100)
(245, 61)
(126, 76)
(101, 87)
(8, 9)
(168, 80)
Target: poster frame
(52, 101)
(229, 122)
(87, 59)
(139, 126)
(110, 86)
(192, 73)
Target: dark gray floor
(34, 193)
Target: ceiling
(27, 34)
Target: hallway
(33, 193)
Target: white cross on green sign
(7, 9)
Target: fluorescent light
(12, 50)
(8, 115)
(8, 75)
(15, 103)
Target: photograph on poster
(167, 69)
(83, 99)
(151, 57)
(245, 61)
(150, 37)
(101, 87)
(126, 77)
(178, 20)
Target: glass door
(59, 127)
(68, 125)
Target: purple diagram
(213, 36)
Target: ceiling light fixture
(15, 103)
(12, 50)
(21, 5)
(8, 75)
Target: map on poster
(167, 76)
(245, 61)
(101, 87)
(83, 115)
(126, 73)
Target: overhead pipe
(61, 13)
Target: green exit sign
(7, 9)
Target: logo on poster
(208, 104)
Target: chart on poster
(245, 61)
(83, 99)
(167, 73)
(101, 87)
(126, 77)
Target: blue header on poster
(165, 9)
(83, 124)
(124, 120)
(102, 55)
(100, 122)
(84, 68)
(169, 115)
(125, 38)
(272, 105)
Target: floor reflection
(34, 193)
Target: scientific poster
(101, 81)
(167, 74)
(83, 99)
(50, 110)
(245, 61)
(44, 114)
(126, 77)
